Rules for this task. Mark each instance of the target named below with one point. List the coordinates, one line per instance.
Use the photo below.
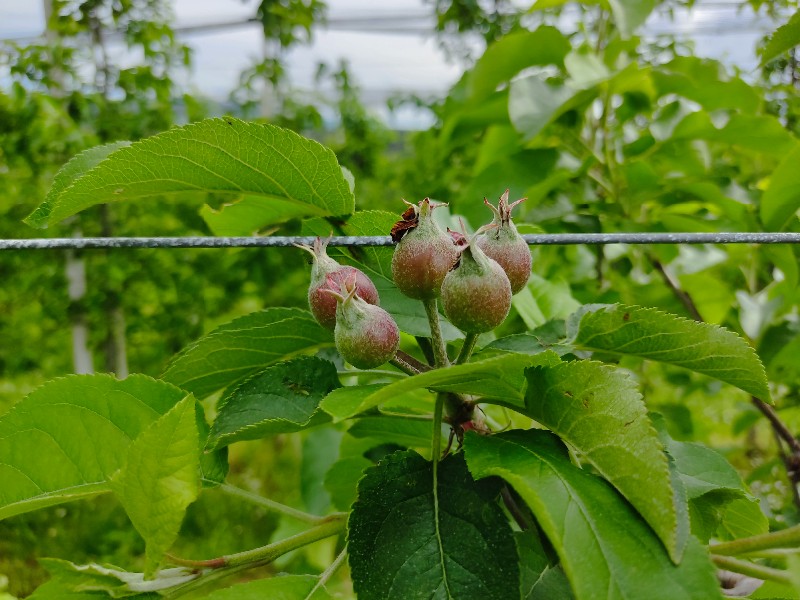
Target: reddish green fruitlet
(329, 275)
(476, 295)
(505, 245)
(366, 335)
(424, 253)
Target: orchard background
(601, 127)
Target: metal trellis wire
(544, 239)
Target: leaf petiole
(224, 566)
(786, 538)
(750, 569)
(271, 504)
(327, 573)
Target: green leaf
(462, 122)
(629, 15)
(280, 587)
(500, 378)
(243, 347)
(704, 470)
(517, 173)
(76, 168)
(763, 134)
(539, 579)
(249, 215)
(410, 433)
(783, 39)
(511, 54)
(608, 552)
(549, 336)
(76, 582)
(407, 539)
(598, 410)
(69, 581)
(342, 478)
(321, 449)
(65, 440)
(534, 102)
(216, 155)
(345, 402)
(159, 480)
(742, 518)
(654, 335)
(781, 199)
(282, 398)
(377, 259)
(711, 485)
(376, 262)
(542, 300)
(704, 81)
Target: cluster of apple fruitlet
(475, 278)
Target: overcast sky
(382, 62)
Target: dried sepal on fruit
(424, 253)
(476, 295)
(505, 245)
(329, 275)
(366, 335)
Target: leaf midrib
(578, 502)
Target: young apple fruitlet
(505, 245)
(366, 335)
(424, 253)
(476, 295)
(329, 275)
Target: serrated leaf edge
(575, 319)
(674, 552)
(134, 147)
(224, 400)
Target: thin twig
(514, 509)
(792, 461)
(681, 295)
(780, 428)
(408, 364)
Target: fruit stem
(750, 569)
(466, 348)
(439, 349)
(271, 504)
(786, 538)
(408, 364)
